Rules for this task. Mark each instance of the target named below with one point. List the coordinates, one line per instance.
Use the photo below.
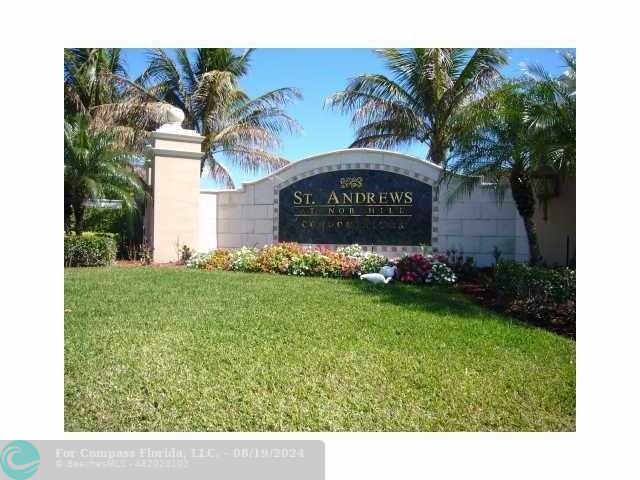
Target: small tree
(507, 148)
(521, 135)
(96, 168)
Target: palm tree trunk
(535, 258)
(523, 195)
(78, 215)
(437, 152)
(68, 210)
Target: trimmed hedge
(90, 250)
(127, 225)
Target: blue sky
(318, 73)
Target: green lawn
(162, 349)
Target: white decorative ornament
(388, 271)
(375, 278)
(175, 116)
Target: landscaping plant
(89, 250)
(346, 262)
(278, 258)
(418, 268)
(546, 296)
(245, 260)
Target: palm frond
(212, 168)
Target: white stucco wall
(479, 223)
(207, 221)
(248, 216)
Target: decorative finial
(173, 118)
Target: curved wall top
(249, 215)
(348, 159)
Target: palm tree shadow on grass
(416, 297)
(432, 299)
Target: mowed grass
(161, 349)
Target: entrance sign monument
(356, 206)
(385, 201)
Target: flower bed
(345, 262)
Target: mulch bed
(559, 319)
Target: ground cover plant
(176, 349)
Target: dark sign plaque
(369, 207)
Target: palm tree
(95, 167)
(498, 149)
(96, 85)
(205, 86)
(521, 135)
(551, 113)
(421, 101)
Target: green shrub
(540, 295)
(114, 236)
(89, 250)
(105, 219)
(520, 282)
(128, 225)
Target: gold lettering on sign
(333, 198)
(396, 196)
(351, 182)
(300, 198)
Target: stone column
(175, 181)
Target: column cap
(180, 135)
(164, 152)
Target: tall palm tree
(96, 167)
(421, 101)
(96, 85)
(205, 86)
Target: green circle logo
(19, 460)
